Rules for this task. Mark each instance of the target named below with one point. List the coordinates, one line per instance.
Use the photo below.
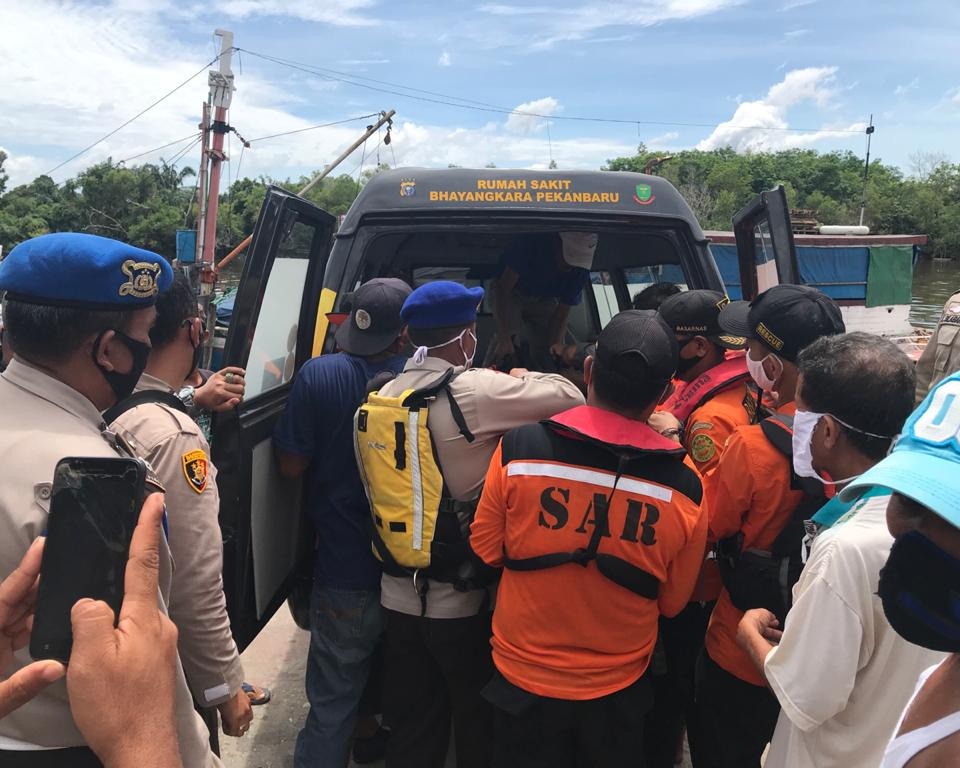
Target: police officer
(161, 432)
(437, 640)
(754, 496)
(78, 310)
(941, 356)
(599, 524)
(711, 399)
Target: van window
(274, 344)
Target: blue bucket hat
(72, 269)
(925, 463)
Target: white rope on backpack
(416, 479)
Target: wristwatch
(185, 396)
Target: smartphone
(94, 508)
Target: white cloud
(345, 13)
(444, 60)
(953, 95)
(532, 118)
(759, 125)
(663, 141)
(795, 34)
(789, 5)
(904, 89)
(544, 26)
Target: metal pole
(866, 171)
(385, 117)
(202, 190)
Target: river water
(933, 283)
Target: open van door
(765, 250)
(270, 335)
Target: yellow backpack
(417, 527)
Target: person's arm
(197, 603)
(117, 672)
(489, 523)
(683, 570)
(557, 327)
(505, 402)
(731, 489)
(222, 391)
(18, 593)
(758, 634)
(813, 669)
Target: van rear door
(765, 251)
(270, 335)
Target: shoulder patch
(697, 426)
(195, 469)
(702, 448)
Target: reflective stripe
(416, 480)
(592, 476)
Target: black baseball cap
(695, 313)
(374, 320)
(638, 345)
(784, 318)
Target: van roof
(430, 190)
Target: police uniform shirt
(941, 357)
(174, 446)
(492, 403)
(45, 420)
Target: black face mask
(920, 591)
(123, 384)
(684, 364)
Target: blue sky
(76, 70)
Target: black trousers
(737, 718)
(74, 757)
(674, 667)
(434, 672)
(538, 732)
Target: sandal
(257, 694)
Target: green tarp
(890, 275)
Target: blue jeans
(346, 626)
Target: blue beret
(70, 269)
(440, 304)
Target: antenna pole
(866, 171)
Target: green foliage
(719, 182)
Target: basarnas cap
(374, 321)
(695, 313)
(924, 465)
(441, 304)
(638, 345)
(785, 318)
(72, 269)
(578, 248)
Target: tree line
(146, 204)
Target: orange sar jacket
(753, 495)
(569, 631)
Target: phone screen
(93, 511)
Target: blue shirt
(318, 424)
(534, 259)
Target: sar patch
(195, 469)
(702, 448)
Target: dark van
(422, 225)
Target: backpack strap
(143, 397)
(419, 397)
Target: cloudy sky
(671, 73)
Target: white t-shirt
(841, 673)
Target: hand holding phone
(93, 512)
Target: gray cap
(374, 321)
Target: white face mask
(421, 352)
(755, 369)
(804, 424)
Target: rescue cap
(785, 318)
(72, 269)
(374, 322)
(924, 464)
(696, 313)
(441, 304)
(638, 345)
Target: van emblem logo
(408, 187)
(644, 195)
